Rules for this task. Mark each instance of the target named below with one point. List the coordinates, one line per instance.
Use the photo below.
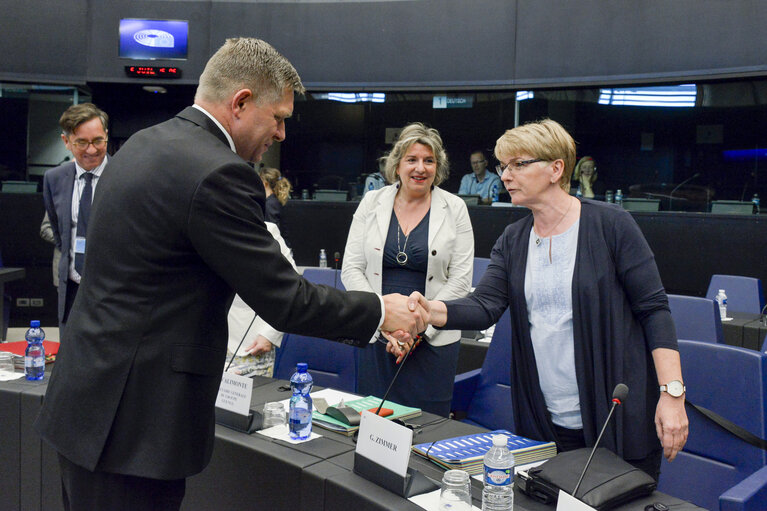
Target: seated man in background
(481, 182)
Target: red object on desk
(19, 347)
(384, 412)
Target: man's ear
(239, 101)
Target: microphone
(336, 257)
(255, 315)
(619, 395)
(671, 195)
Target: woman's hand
(260, 346)
(671, 424)
(400, 343)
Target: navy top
(411, 276)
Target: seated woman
(588, 311)
(278, 190)
(585, 176)
(250, 337)
(408, 236)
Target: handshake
(405, 318)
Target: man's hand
(405, 314)
(260, 346)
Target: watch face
(675, 388)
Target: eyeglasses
(515, 165)
(98, 143)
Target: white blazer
(451, 250)
(241, 317)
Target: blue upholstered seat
(484, 394)
(480, 265)
(732, 382)
(744, 294)
(331, 364)
(696, 318)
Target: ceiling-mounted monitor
(143, 39)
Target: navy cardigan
(620, 314)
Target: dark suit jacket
(58, 184)
(176, 228)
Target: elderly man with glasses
(68, 191)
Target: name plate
(567, 502)
(384, 442)
(234, 393)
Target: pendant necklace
(401, 252)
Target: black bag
(609, 481)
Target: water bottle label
(34, 362)
(497, 476)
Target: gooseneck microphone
(677, 187)
(619, 395)
(336, 258)
(255, 315)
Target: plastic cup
(455, 494)
(274, 415)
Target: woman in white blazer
(412, 235)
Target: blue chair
(696, 318)
(744, 294)
(480, 265)
(731, 381)
(331, 364)
(748, 495)
(327, 276)
(484, 394)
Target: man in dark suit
(177, 227)
(84, 132)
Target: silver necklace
(401, 254)
(538, 238)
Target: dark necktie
(82, 216)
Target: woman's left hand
(260, 346)
(671, 424)
(399, 344)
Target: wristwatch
(675, 388)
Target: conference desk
(246, 471)
(744, 329)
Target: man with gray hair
(178, 228)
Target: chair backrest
(696, 318)
(491, 403)
(744, 294)
(327, 276)
(480, 265)
(731, 381)
(331, 364)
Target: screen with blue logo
(153, 39)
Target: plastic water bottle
(34, 356)
(498, 494)
(755, 200)
(609, 197)
(301, 403)
(619, 196)
(323, 258)
(579, 192)
(721, 300)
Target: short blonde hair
(417, 133)
(247, 63)
(545, 139)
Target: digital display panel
(143, 39)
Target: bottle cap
(302, 367)
(35, 323)
(721, 291)
(500, 440)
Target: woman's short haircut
(545, 139)
(412, 134)
(247, 63)
(76, 115)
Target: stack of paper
(365, 403)
(468, 452)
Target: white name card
(234, 393)
(567, 502)
(384, 442)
